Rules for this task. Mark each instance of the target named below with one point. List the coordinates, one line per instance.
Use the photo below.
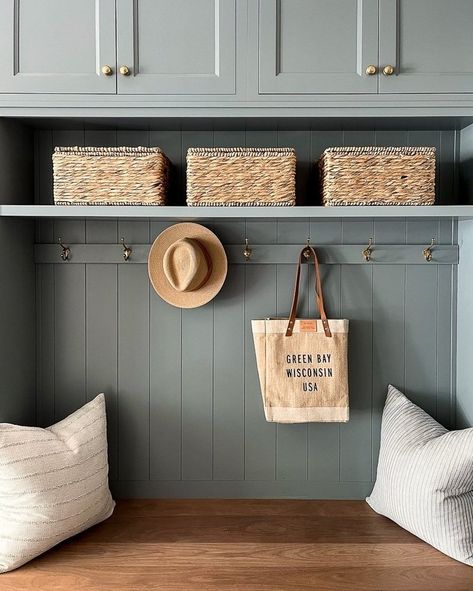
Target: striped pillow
(53, 483)
(425, 478)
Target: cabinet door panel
(58, 46)
(429, 43)
(178, 47)
(317, 46)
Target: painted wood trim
(202, 213)
(464, 331)
(270, 254)
(421, 105)
(242, 489)
(388, 36)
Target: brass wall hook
(248, 251)
(66, 251)
(307, 253)
(127, 250)
(368, 250)
(427, 252)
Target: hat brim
(216, 252)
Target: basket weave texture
(241, 176)
(378, 176)
(110, 176)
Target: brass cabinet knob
(124, 70)
(107, 70)
(388, 70)
(371, 70)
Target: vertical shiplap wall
(185, 413)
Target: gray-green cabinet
(365, 46)
(179, 47)
(318, 46)
(128, 46)
(244, 50)
(429, 43)
(57, 46)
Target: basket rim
(240, 151)
(107, 151)
(355, 150)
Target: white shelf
(201, 213)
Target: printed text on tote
(311, 370)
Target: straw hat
(187, 265)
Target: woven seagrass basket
(110, 176)
(241, 176)
(378, 176)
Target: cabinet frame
(403, 81)
(222, 81)
(94, 82)
(272, 81)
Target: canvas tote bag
(303, 364)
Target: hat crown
(186, 265)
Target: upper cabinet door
(57, 46)
(428, 43)
(318, 46)
(176, 47)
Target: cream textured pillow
(53, 483)
(425, 478)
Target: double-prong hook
(127, 250)
(66, 251)
(368, 250)
(248, 251)
(307, 253)
(427, 252)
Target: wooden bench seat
(261, 545)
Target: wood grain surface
(210, 545)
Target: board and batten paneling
(184, 404)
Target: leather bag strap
(319, 298)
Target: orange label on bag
(308, 325)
